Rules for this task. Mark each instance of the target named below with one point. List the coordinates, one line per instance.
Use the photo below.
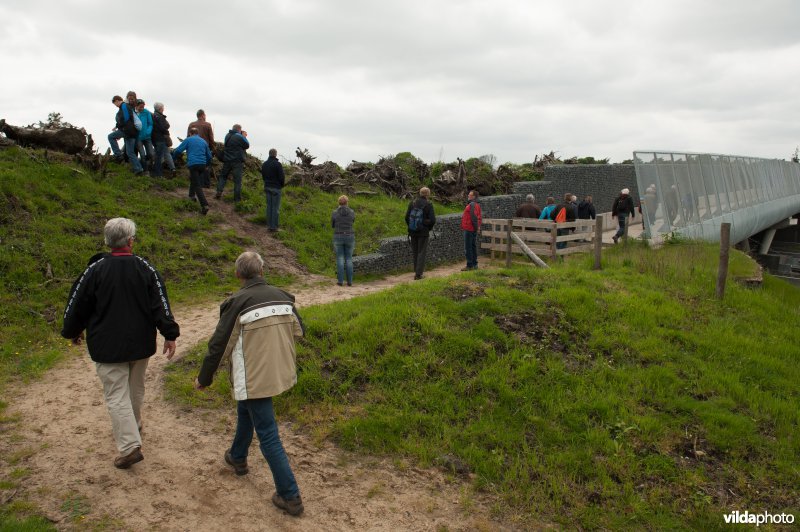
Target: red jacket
(471, 219)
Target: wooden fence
(542, 237)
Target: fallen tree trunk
(68, 140)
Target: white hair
(529, 198)
(118, 231)
(249, 265)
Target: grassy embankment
(52, 214)
(625, 398)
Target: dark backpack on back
(415, 218)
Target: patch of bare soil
(63, 438)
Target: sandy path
(63, 437)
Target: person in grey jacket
(344, 240)
(256, 331)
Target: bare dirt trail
(63, 439)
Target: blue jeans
(131, 145)
(471, 248)
(162, 156)
(113, 137)
(146, 152)
(621, 231)
(343, 245)
(561, 232)
(273, 206)
(236, 167)
(258, 414)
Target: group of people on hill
(147, 148)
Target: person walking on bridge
(622, 208)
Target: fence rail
(543, 237)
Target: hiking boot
(615, 238)
(204, 210)
(218, 195)
(291, 506)
(124, 462)
(240, 468)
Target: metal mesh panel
(693, 193)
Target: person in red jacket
(471, 225)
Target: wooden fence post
(724, 253)
(508, 244)
(598, 241)
(553, 236)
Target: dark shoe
(204, 210)
(240, 468)
(349, 284)
(218, 195)
(193, 198)
(615, 238)
(137, 174)
(418, 277)
(466, 268)
(291, 506)
(124, 462)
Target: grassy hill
(625, 398)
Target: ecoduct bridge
(692, 194)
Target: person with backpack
(565, 212)
(198, 157)
(471, 221)
(125, 129)
(420, 220)
(233, 162)
(550, 204)
(622, 208)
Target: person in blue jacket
(198, 157)
(145, 144)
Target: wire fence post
(598, 241)
(724, 255)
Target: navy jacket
(160, 128)
(235, 145)
(272, 173)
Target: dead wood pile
(67, 139)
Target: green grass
(624, 398)
(52, 215)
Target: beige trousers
(123, 389)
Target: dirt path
(63, 438)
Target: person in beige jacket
(255, 334)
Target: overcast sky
(359, 79)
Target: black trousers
(196, 173)
(419, 249)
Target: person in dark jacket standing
(344, 240)
(586, 210)
(420, 220)
(622, 208)
(198, 157)
(235, 145)
(529, 209)
(471, 221)
(570, 210)
(262, 364)
(274, 179)
(162, 142)
(120, 301)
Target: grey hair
(273, 152)
(118, 231)
(158, 106)
(237, 127)
(249, 265)
(529, 198)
